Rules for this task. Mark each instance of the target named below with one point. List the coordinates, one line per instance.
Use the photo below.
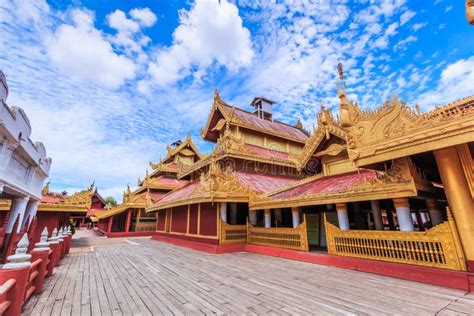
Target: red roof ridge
(271, 121)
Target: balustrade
(232, 234)
(437, 247)
(291, 238)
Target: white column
(31, 209)
(224, 211)
(233, 213)
(342, 216)
(18, 207)
(295, 215)
(253, 217)
(435, 213)
(377, 213)
(268, 218)
(278, 215)
(404, 214)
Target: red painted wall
(208, 219)
(160, 225)
(51, 220)
(179, 219)
(193, 219)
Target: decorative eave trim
(50, 207)
(207, 198)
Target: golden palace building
(386, 186)
(251, 157)
(129, 218)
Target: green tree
(110, 202)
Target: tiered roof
(79, 202)
(222, 185)
(158, 183)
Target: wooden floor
(143, 277)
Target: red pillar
(109, 227)
(42, 270)
(127, 222)
(17, 293)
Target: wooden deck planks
(154, 278)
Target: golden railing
(438, 247)
(292, 238)
(145, 227)
(232, 234)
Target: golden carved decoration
(396, 130)
(438, 247)
(229, 142)
(217, 180)
(326, 125)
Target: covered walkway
(141, 276)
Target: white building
(23, 163)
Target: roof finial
(345, 117)
(92, 185)
(46, 188)
(216, 94)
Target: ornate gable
(326, 126)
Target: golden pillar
(459, 198)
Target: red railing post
(69, 239)
(62, 243)
(17, 268)
(55, 247)
(41, 251)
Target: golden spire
(299, 124)
(345, 118)
(216, 95)
(45, 188)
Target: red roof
(51, 198)
(268, 153)
(168, 182)
(275, 127)
(329, 184)
(261, 183)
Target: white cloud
(144, 16)
(81, 51)
(455, 83)
(121, 23)
(406, 16)
(209, 32)
(418, 26)
(403, 43)
(382, 41)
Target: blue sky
(107, 84)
